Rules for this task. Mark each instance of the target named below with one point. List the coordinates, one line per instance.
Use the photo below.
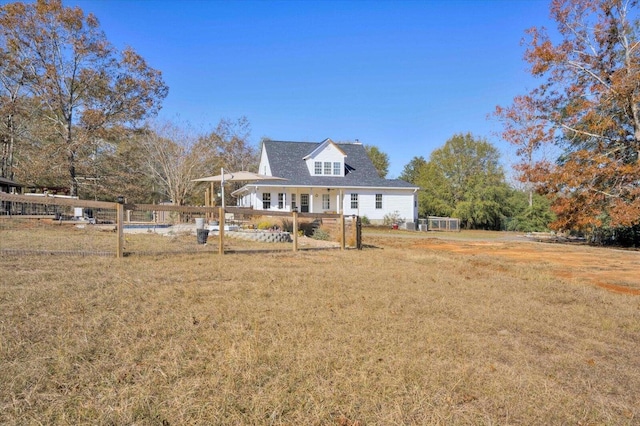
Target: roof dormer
(327, 159)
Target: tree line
(464, 179)
(76, 112)
(577, 134)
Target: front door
(304, 203)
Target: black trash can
(203, 234)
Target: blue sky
(403, 76)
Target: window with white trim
(354, 201)
(294, 204)
(317, 167)
(336, 169)
(266, 200)
(326, 201)
(378, 201)
(327, 167)
(280, 200)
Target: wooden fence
(12, 206)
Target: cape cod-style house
(327, 177)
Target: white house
(327, 177)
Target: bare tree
(228, 147)
(12, 108)
(173, 160)
(81, 83)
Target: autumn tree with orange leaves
(58, 62)
(588, 107)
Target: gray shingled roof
(9, 182)
(287, 160)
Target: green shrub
(321, 234)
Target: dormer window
(327, 168)
(327, 159)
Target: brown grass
(396, 334)
(89, 239)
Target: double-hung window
(336, 169)
(317, 168)
(327, 167)
(378, 201)
(294, 204)
(354, 201)
(280, 200)
(266, 200)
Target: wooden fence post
(120, 230)
(295, 231)
(358, 233)
(221, 230)
(354, 231)
(343, 235)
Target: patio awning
(234, 177)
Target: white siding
(256, 199)
(331, 154)
(265, 168)
(392, 201)
(315, 201)
(401, 201)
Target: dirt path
(613, 269)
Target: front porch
(283, 199)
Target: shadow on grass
(371, 246)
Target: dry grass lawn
(405, 332)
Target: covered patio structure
(223, 177)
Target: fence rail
(63, 225)
(437, 223)
(52, 200)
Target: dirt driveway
(613, 269)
